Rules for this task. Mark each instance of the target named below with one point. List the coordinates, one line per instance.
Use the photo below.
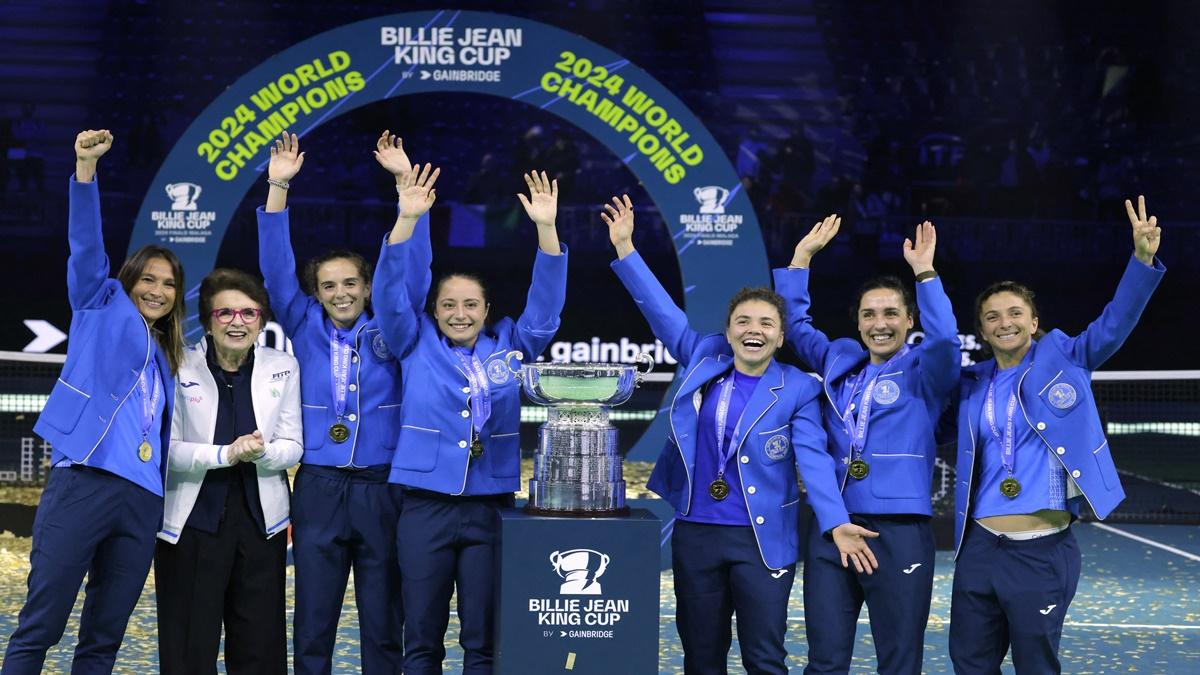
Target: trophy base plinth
(576, 513)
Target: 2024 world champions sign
(224, 152)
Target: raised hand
(542, 202)
(1146, 232)
(815, 240)
(286, 158)
(619, 218)
(920, 254)
(90, 145)
(416, 190)
(389, 152)
(851, 542)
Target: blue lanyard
(481, 393)
(339, 370)
(1008, 439)
(725, 450)
(989, 411)
(856, 426)
(149, 399)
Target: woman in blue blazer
(884, 399)
(741, 423)
(458, 453)
(1030, 446)
(344, 512)
(109, 420)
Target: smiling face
(755, 333)
(154, 291)
(234, 339)
(460, 310)
(1007, 323)
(883, 323)
(342, 291)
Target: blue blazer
(900, 439)
(785, 431)
(376, 373)
(433, 450)
(110, 346)
(1055, 397)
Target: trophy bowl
(577, 467)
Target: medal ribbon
(856, 426)
(149, 399)
(481, 393)
(989, 411)
(339, 370)
(725, 450)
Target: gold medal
(859, 469)
(476, 448)
(339, 432)
(145, 451)
(718, 489)
(1009, 487)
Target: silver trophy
(576, 467)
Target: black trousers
(236, 577)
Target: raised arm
(548, 290)
(1104, 336)
(941, 360)
(389, 152)
(668, 322)
(398, 318)
(792, 283)
(276, 260)
(87, 267)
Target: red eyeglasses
(225, 315)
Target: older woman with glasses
(223, 552)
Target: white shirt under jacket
(275, 391)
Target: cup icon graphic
(711, 198)
(579, 568)
(183, 196)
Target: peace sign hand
(1146, 232)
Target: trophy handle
(646, 359)
(514, 354)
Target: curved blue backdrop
(224, 151)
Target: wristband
(926, 276)
(281, 184)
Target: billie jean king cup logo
(579, 569)
(183, 196)
(712, 198)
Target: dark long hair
(167, 330)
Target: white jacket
(275, 389)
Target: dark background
(1017, 127)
